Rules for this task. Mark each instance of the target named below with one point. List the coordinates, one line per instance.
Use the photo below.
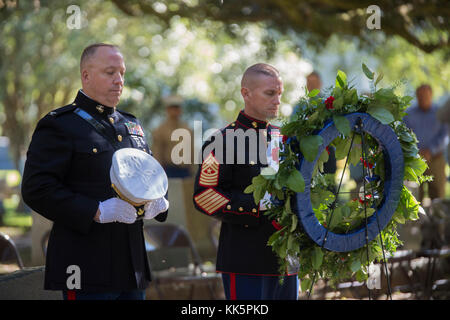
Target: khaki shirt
(162, 145)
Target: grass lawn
(15, 224)
(12, 218)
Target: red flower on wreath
(329, 103)
(366, 164)
(368, 196)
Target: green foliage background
(198, 56)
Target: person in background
(314, 81)
(433, 138)
(163, 145)
(443, 114)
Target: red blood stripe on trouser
(232, 286)
(70, 294)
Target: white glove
(265, 200)
(155, 207)
(116, 210)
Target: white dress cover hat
(137, 176)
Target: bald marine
(252, 74)
(261, 88)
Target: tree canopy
(424, 24)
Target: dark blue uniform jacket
(66, 175)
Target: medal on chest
(134, 129)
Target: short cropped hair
(90, 50)
(424, 86)
(314, 74)
(260, 68)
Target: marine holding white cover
(139, 179)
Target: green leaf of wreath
(324, 156)
(342, 124)
(309, 146)
(380, 76)
(361, 276)
(296, 182)
(417, 164)
(355, 152)
(313, 93)
(249, 189)
(336, 218)
(294, 223)
(410, 205)
(356, 265)
(258, 188)
(289, 128)
(367, 71)
(342, 147)
(268, 173)
(338, 103)
(341, 79)
(257, 182)
(317, 258)
(291, 241)
(258, 194)
(351, 97)
(274, 237)
(305, 284)
(287, 205)
(410, 175)
(398, 216)
(381, 114)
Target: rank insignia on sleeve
(210, 200)
(134, 128)
(209, 174)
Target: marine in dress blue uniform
(65, 178)
(249, 267)
(66, 175)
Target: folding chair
(44, 242)
(8, 251)
(214, 232)
(174, 259)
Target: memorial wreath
(337, 239)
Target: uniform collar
(249, 122)
(85, 102)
